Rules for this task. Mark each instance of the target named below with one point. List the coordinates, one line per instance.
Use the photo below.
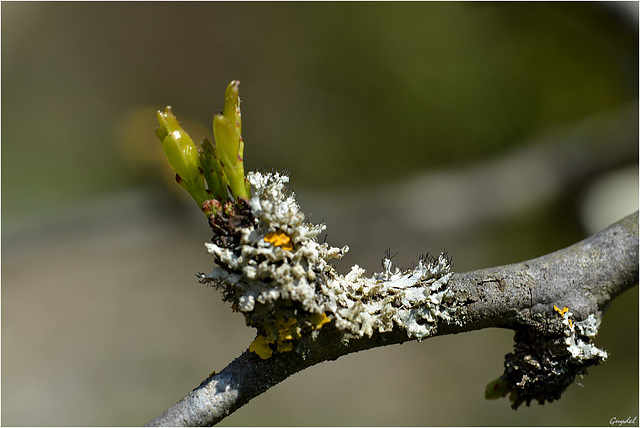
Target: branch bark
(584, 277)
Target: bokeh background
(496, 131)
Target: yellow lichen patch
(285, 346)
(560, 311)
(261, 347)
(279, 239)
(287, 329)
(282, 331)
(318, 320)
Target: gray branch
(584, 278)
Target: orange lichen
(318, 320)
(287, 330)
(261, 347)
(281, 332)
(560, 311)
(279, 239)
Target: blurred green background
(499, 131)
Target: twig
(552, 300)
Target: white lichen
(578, 337)
(277, 268)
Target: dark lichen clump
(541, 367)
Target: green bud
(229, 145)
(231, 108)
(496, 389)
(182, 155)
(227, 140)
(219, 164)
(211, 207)
(168, 123)
(213, 175)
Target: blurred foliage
(337, 93)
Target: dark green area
(340, 94)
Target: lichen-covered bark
(556, 300)
(271, 268)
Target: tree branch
(554, 303)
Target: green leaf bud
(211, 207)
(227, 128)
(168, 123)
(212, 170)
(496, 389)
(227, 140)
(220, 164)
(182, 154)
(228, 146)
(231, 108)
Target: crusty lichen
(544, 363)
(272, 268)
(578, 337)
